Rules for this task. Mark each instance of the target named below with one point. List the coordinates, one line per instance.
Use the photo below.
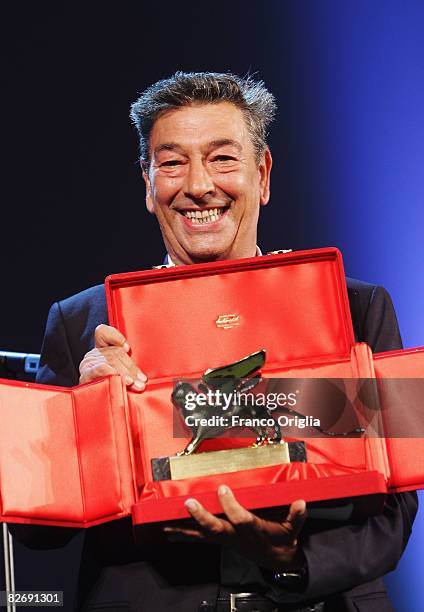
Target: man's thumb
(297, 516)
(106, 335)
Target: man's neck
(171, 264)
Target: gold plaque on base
(224, 461)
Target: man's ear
(265, 166)
(149, 199)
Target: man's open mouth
(204, 216)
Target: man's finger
(112, 360)
(296, 517)
(138, 377)
(106, 335)
(95, 371)
(211, 525)
(175, 534)
(181, 537)
(236, 514)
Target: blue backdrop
(348, 147)
(356, 153)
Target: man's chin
(204, 251)
(204, 255)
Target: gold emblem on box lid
(226, 321)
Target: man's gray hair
(188, 88)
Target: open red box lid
(180, 321)
(66, 454)
(183, 320)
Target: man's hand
(271, 544)
(110, 356)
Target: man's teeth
(204, 216)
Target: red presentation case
(82, 456)
(295, 306)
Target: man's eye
(171, 163)
(223, 158)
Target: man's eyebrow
(168, 146)
(220, 142)
(213, 144)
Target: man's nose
(198, 181)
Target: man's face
(204, 183)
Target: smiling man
(205, 182)
(206, 167)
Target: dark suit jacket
(345, 561)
